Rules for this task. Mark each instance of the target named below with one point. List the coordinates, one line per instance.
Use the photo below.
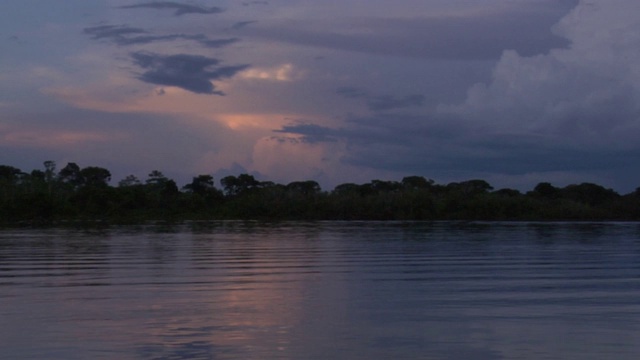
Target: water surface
(327, 290)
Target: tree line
(74, 193)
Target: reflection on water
(328, 290)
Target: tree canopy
(74, 192)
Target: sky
(515, 92)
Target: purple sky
(515, 92)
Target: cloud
(241, 24)
(286, 161)
(418, 144)
(190, 72)
(211, 43)
(382, 102)
(125, 35)
(282, 73)
(123, 142)
(588, 93)
(311, 133)
(251, 3)
(48, 138)
(351, 92)
(574, 110)
(180, 9)
(388, 102)
(362, 132)
(112, 32)
(524, 27)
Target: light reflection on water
(328, 290)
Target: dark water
(233, 290)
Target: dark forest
(73, 193)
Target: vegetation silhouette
(84, 194)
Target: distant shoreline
(84, 195)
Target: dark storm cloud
(180, 9)
(435, 144)
(388, 102)
(251, 3)
(312, 133)
(242, 24)
(215, 43)
(525, 29)
(124, 36)
(522, 153)
(112, 32)
(355, 135)
(382, 102)
(351, 92)
(190, 72)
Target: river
(322, 290)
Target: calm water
(331, 290)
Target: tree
(170, 188)
(129, 180)
(50, 170)
(70, 174)
(161, 192)
(156, 178)
(248, 181)
(95, 176)
(9, 174)
(346, 189)
(589, 194)
(381, 186)
(132, 194)
(50, 175)
(416, 182)
(471, 187)
(507, 192)
(231, 185)
(546, 191)
(238, 185)
(160, 184)
(9, 179)
(306, 188)
(201, 185)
